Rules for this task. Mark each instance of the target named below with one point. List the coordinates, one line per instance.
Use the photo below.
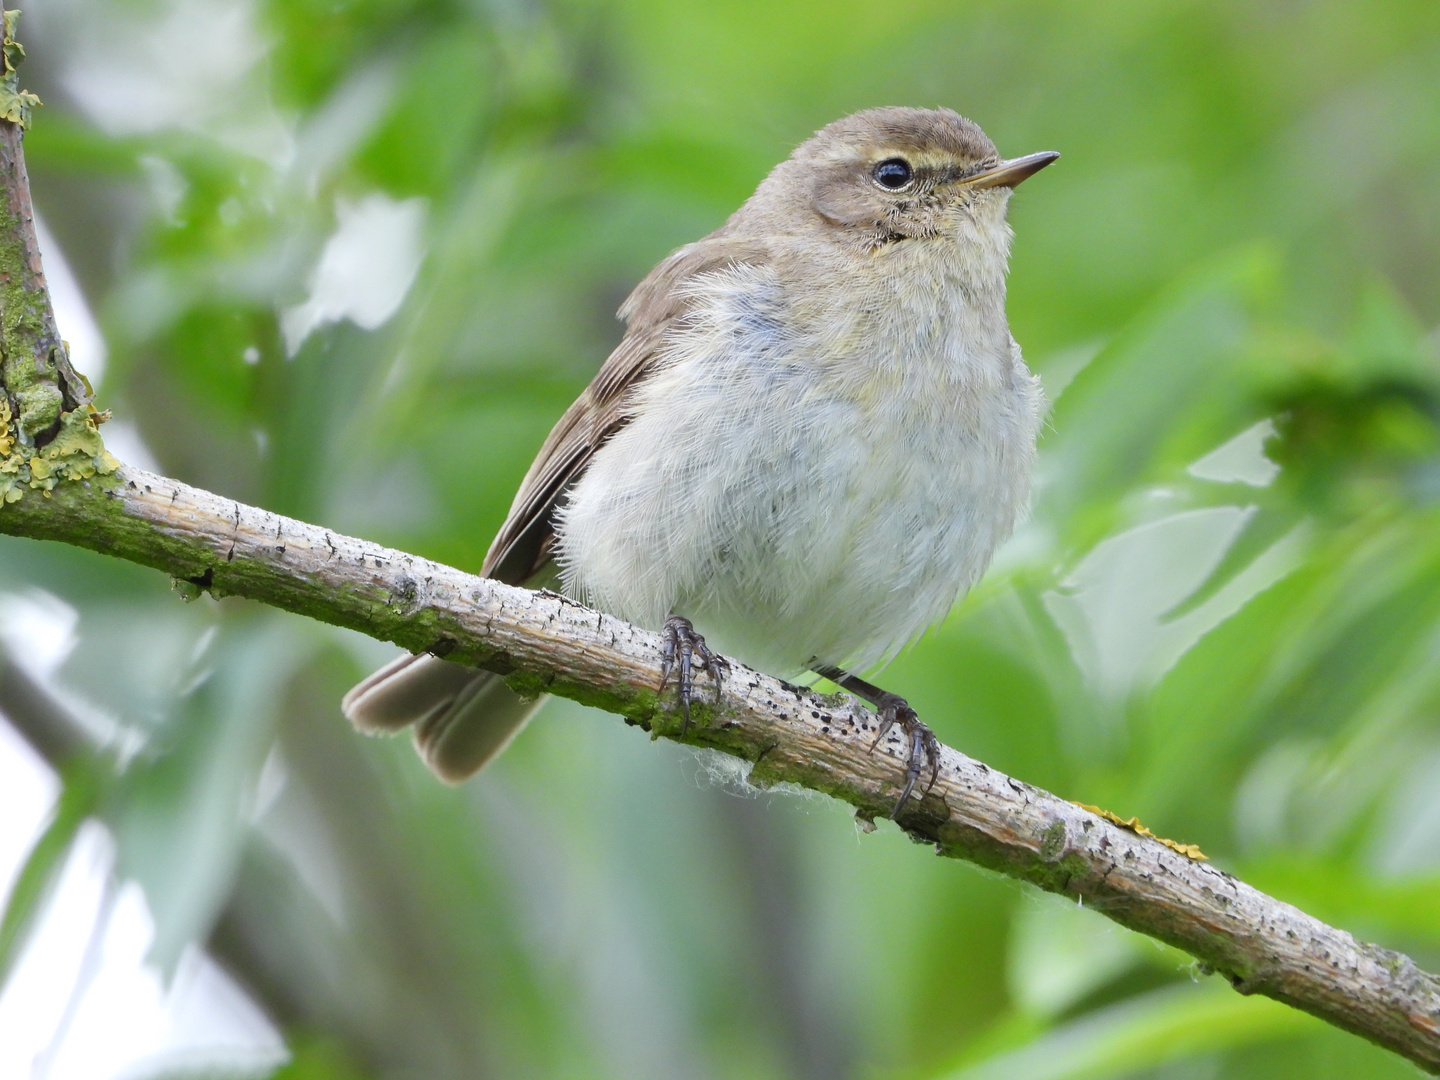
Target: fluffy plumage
(812, 438)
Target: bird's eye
(893, 174)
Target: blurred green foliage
(1236, 267)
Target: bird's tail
(462, 717)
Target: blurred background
(349, 260)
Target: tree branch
(543, 642)
(35, 369)
(546, 643)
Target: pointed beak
(1011, 173)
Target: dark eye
(893, 174)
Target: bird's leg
(892, 709)
(682, 643)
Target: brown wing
(522, 548)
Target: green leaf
(1173, 371)
(1145, 1032)
(181, 824)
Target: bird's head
(895, 174)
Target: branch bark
(543, 642)
(35, 369)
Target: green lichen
(1052, 841)
(76, 453)
(15, 104)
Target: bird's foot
(682, 646)
(891, 710)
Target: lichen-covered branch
(48, 426)
(58, 483)
(545, 642)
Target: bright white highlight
(28, 790)
(366, 269)
(82, 1004)
(1241, 460)
(191, 65)
(37, 631)
(1115, 608)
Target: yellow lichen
(76, 453)
(15, 104)
(1190, 851)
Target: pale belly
(794, 520)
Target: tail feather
(458, 741)
(404, 691)
(462, 717)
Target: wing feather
(523, 546)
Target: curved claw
(923, 745)
(683, 642)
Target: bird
(814, 434)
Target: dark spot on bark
(443, 647)
(405, 590)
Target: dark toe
(684, 645)
(923, 748)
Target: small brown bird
(814, 435)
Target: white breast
(810, 484)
